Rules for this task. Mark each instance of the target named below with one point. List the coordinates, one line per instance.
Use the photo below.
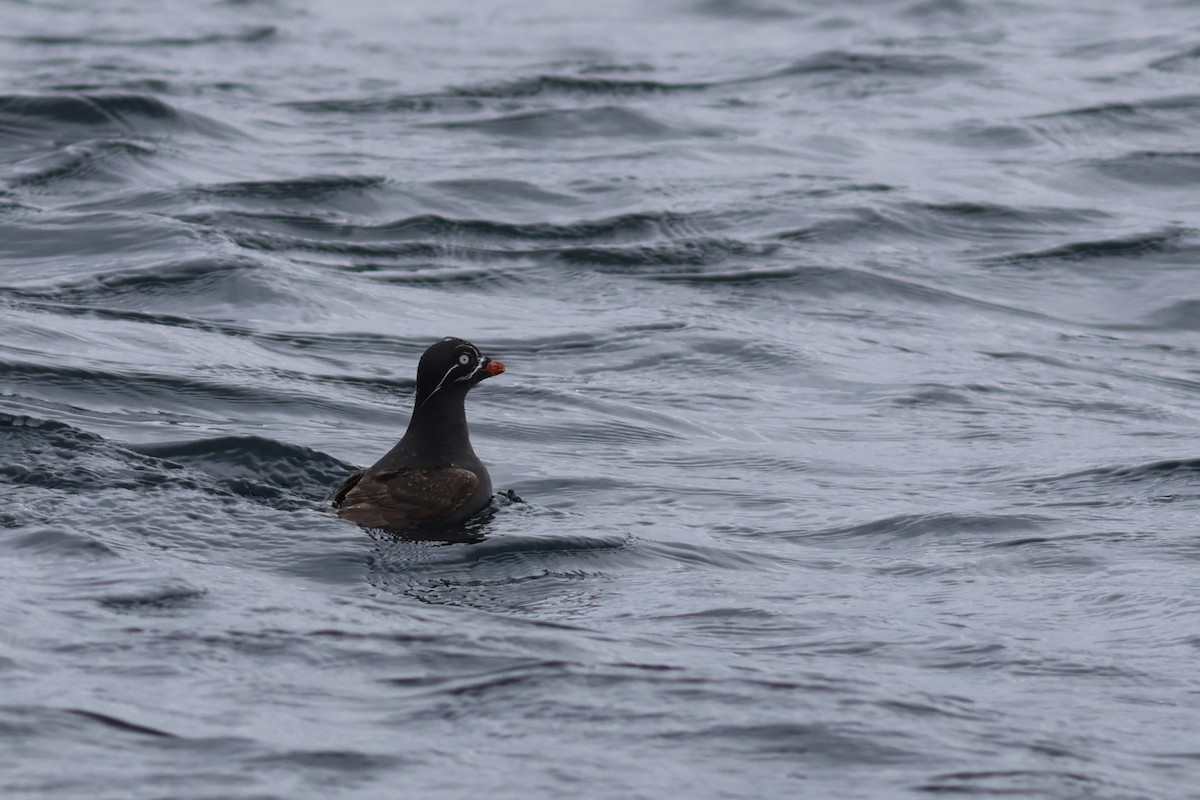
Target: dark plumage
(432, 476)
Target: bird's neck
(439, 426)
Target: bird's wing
(339, 494)
(397, 498)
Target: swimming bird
(432, 476)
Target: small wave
(354, 764)
(391, 104)
(1182, 315)
(944, 525)
(113, 723)
(253, 35)
(575, 123)
(476, 97)
(52, 455)
(95, 115)
(1156, 169)
(652, 257)
(1131, 246)
(755, 10)
(888, 66)
(987, 223)
(1186, 470)
(617, 120)
(94, 161)
(245, 464)
(573, 85)
(816, 743)
(1184, 60)
(316, 189)
(1019, 783)
(976, 134)
(168, 391)
(164, 597)
(1161, 114)
(60, 542)
(648, 244)
(619, 228)
(189, 281)
(83, 241)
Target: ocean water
(848, 447)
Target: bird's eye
(464, 359)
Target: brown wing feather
(339, 494)
(396, 498)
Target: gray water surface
(848, 442)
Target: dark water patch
(932, 395)
(116, 723)
(31, 301)
(739, 355)
(985, 135)
(46, 455)
(986, 222)
(75, 238)
(751, 10)
(246, 461)
(497, 193)
(1156, 169)
(53, 455)
(502, 94)
(588, 86)
(746, 276)
(1175, 480)
(639, 259)
(1181, 315)
(347, 765)
(92, 161)
(713, 557)
(127, 85)
(982, 223)
(71, 117)
(1186, 60)
(502, 681)
(189, 281)
(252, 35)
(615, 229)
(317, 189)
(1123, 247)
(1015, 783)
(900, 530)
(957, 12)
(174, 597)
(391, 104)
(815, 743)
(270, 242)
(885, 66)
(58, 542)
(808, 283)
(117, 385)
(627, 244)
(608, 122)
(1158, 114)
(342, 198)
(476, 277)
